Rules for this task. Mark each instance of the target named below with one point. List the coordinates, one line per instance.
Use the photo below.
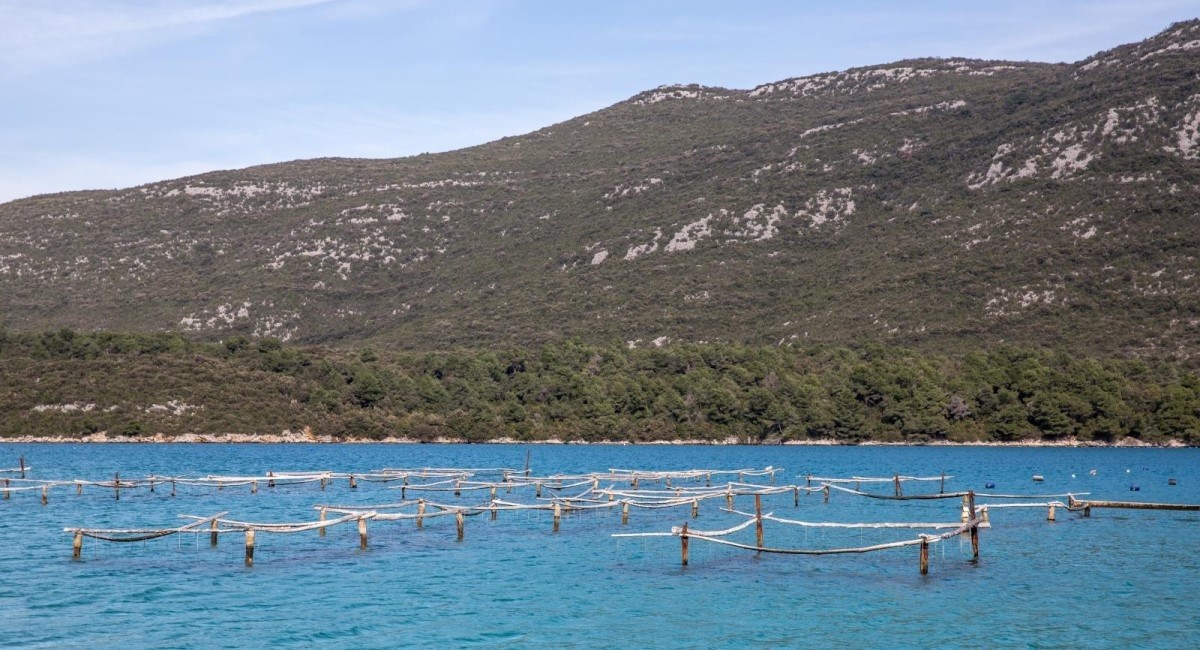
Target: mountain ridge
(933, 203)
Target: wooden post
(624, 513)
(172, 487)
(457, 488)
(253, 487)
(896, 482)
(965, 514)
(321, 530)
(729, 498)
(249, 547)
(795, 497)
(78, 488)
(825, 491)
(212, 536)
(758, 530)
(77, 545)
(461, 521)
(322, 483)
(6, 492)
(22, 467)
(537, 490)
(942, 489)
(270, 479)
(557, 515)
(362, 533)
(117, 485)
(924, 556)
(353, 483)
(45, 494)
(1087, 511)
(635, 482)
(695, 508)
(683, 541)
(974, 527)
(421, 513)
(151, 484)
(1050, 513)
(983, 512)
(708, 480)
(403, 492)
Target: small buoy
(1171, 481)
(1128, 471)
(1072, 476)
(1037, 478)
(989, 485)
(1092, 473)
(1135, 488)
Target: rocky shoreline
(308, 437)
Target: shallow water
(1118, 579)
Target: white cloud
(40, 34)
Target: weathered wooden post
(695, 508)
(795, 497)
(624, 513)
(461, 522)
(270, 479)
(253, 487)
(974, 526)
(78, 488)
(6, 492)
(151, 484)
(557, 515)
(353, 483)
(537, 487)
(825, 491)
(965, 514)
(457, 488)
(942, 489)
(1050, 513)
(924, 556)
(45, 494)
(77, 545)
(362, 533)
(117, 485)
(420, 513)
(22, 467)
(896, 483)
(758, 528)
(983, 512)
(212, 536)
(249, 547)
(634, 485)
(172, 487)
(322, 483)
(708, 480)
(321, 530)
(683, 541)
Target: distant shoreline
(288, 437)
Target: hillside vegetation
(943, 205)
(71, 384)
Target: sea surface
(1119, 579)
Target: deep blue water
(1118, 579)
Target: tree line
(71, 383)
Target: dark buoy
(1171, 481)
(1135, 488)
(989, 485)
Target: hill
(940, 204)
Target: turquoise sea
(1119, 579)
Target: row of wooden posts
(969, 505)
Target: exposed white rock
(689, 235)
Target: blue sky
(114, 93)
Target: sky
(98, 94)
